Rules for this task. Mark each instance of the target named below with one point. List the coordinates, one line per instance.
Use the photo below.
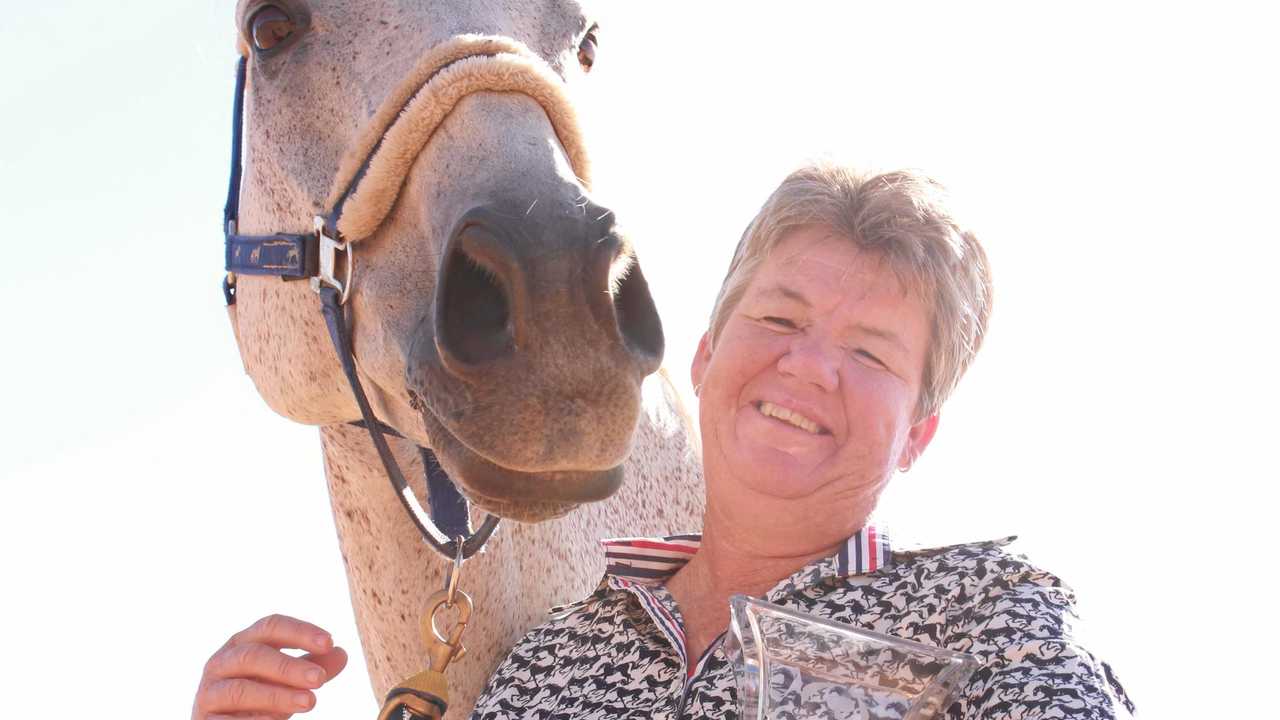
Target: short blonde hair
(901, 217)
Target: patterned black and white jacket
(620, 652)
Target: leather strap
(231, 210)
(442, 543)
(293, 257)
(449, 509)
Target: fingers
(263, 662)
(282, 631)
(240, 695)
(251, 676)
(332, 662)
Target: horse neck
(389, 570)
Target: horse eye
(587, 48)
(270, 26)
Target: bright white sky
(1118, 160)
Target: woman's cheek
(875, 397)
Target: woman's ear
(701, 359)
(918, 438)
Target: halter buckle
(329, 247)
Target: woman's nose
(812, 361)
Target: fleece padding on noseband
(374, 168)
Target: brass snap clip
(442, 650)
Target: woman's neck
(733, 558)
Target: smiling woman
(852, 307)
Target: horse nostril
(475, 322)
(638, 318)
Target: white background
(1118, 161)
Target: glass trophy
(793, 666)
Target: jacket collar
(651, 561)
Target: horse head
(498, 316)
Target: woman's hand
(250, 677)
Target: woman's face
(807, 398)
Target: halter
(365, 188)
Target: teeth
(787, 416)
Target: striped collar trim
(648, 561)
(664, 616)
(866, 551)
(651, 561)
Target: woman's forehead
(821, 261)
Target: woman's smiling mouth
(791, 417)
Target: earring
(907, 465)
(697, 389)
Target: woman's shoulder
(980, 564)
(988, 599)
(602, 593)
(609, 603)
(978, 548)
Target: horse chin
(524, 511)
(525, 496)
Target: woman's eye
(587, 48)
(270, 26)
(864, 355)
(778, 321)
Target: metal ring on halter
(329, 247)
(455, 574)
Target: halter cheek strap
(288, 256)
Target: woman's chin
(778, 474)
(759, 460)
